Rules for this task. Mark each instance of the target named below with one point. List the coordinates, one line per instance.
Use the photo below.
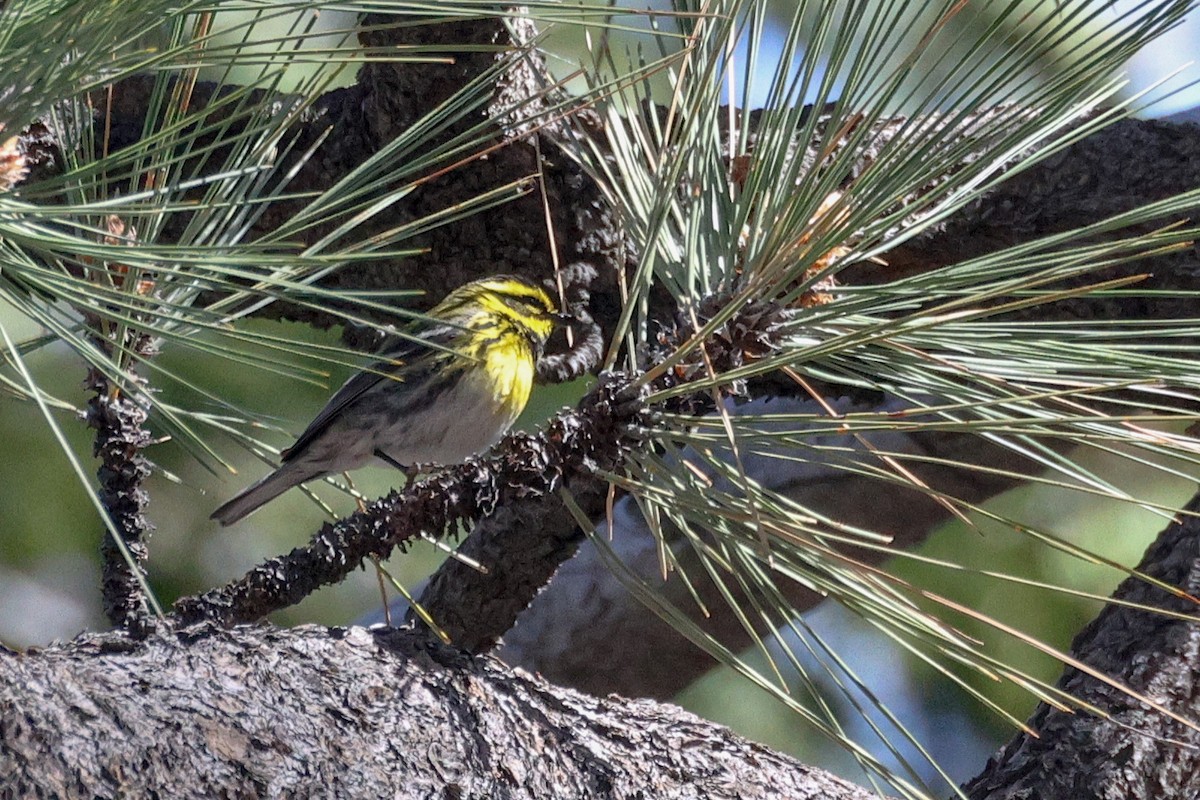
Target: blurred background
(49, 575)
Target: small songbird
(438, 398)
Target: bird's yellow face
(524, 305)
(506, 321)
(501, 305)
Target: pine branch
(1093, 177)
(574, 450)
(594, 437)
(585, 604)
(1034, 203)
(506, 242)
(121, 437)
(120, 440)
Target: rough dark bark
(120, 440)
(1122, 167)
(347, 713)
(521, 546)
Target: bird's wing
(404, 355)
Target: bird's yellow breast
(510, 367)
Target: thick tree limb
(344, 713)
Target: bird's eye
(537, 309)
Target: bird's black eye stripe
(527, 306)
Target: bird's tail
(264, 491)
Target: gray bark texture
(329, 713)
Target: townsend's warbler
(448, 394)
